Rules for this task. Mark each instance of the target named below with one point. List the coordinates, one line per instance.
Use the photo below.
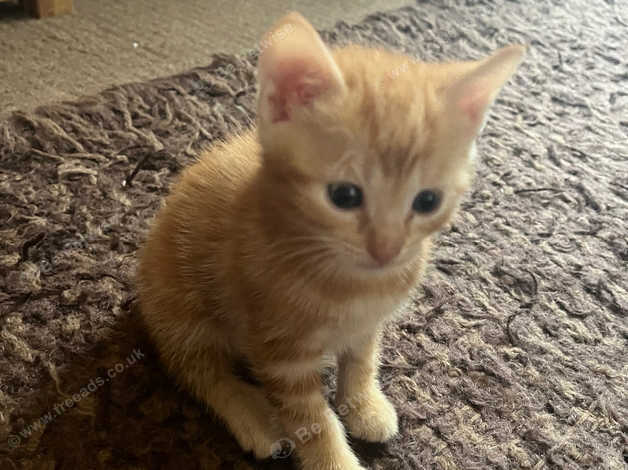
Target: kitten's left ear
(470, 96)
(295, 68)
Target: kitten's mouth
(374, 266)
(366, 264)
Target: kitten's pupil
(345, 195)
(426, 201)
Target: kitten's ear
(295, 68)
(470, 96)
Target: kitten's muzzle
(384, 247)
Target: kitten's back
(186, 258)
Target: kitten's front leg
(366, 411)
(295, 388)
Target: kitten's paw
(261, 441)
(332, 461)
(256, 429)
(371, 417)
(333, 466)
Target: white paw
(332, 460)
(371, 417)
(328, 451)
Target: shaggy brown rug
(514, 354)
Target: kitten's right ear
(472, 94)
(295, 68)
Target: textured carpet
(106, 43)
(513, 355)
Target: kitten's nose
(383, 248)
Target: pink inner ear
(297, 82)
(473, 103)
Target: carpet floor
(106, 43)
(513, 355)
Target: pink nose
(384, 249)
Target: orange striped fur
(248, 258)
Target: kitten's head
(374, 148)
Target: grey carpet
(514, 353)
(106, 43)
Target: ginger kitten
(300, 238)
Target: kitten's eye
(426, 201)
(345, 195)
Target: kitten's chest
(352, 320)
